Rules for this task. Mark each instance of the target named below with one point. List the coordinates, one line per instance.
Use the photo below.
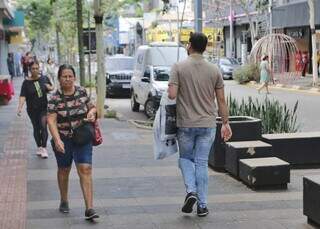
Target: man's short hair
(198, 42)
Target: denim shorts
(80, 154)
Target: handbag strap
(67, 110)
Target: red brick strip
(13, 178)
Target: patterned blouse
(79, 104)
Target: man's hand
(226, 132)
(91, 116)
(59, 145)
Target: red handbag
(97, 140)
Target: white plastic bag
(162, 148)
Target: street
(307, 115)
(122, 106)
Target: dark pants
(39, 123)
(304, 70)
(25, 71)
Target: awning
(15, 24)
(294, 14)
(16, 21)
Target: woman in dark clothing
(26, 60)
(34, 91)
(10, 63)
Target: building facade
(291, 17)
(5, 13)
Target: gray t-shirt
(196, 80)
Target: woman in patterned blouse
(79, 109)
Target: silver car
(227, 66)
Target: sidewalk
(303, 84)
(131, 189)
(13, 165)
(134, 191)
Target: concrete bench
(311, 198)
(298, 149)
(264, 172)
(242, 150)
(244, 128)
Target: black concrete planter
(301, 150)
(243, 150)
(311, 199)
(267, 172)
(244, 128)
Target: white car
(151, 74)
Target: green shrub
(275, 117)
(90, 84)
(247, 73)
(110, 114)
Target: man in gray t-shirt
(196, 83)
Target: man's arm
(226, 132)
(222, 105)
(172, 91)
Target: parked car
(119, 70)
(227, 66)
(151, 74)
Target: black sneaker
(64, 207)
(202, 212)
(91, 214)
(190, 200)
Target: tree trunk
(58, 43)
(313, 39)
(80, 42)
(101, 78)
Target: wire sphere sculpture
(282, 51)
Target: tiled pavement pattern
(134, 191)
(13, 166)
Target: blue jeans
(194, 149)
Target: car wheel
(149, 108)
(134, 105)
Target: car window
(225, 62)
(228, 61)
(147, 73)
(234, 61)
(161, 75)
(118, 64)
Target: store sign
(297, 33)
(92, 39)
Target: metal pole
(89, 56)
(178, 34)
(231, 29)
(270, 11)
(198, 16)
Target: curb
(120, 117)
(312, 90)
(141, 126)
